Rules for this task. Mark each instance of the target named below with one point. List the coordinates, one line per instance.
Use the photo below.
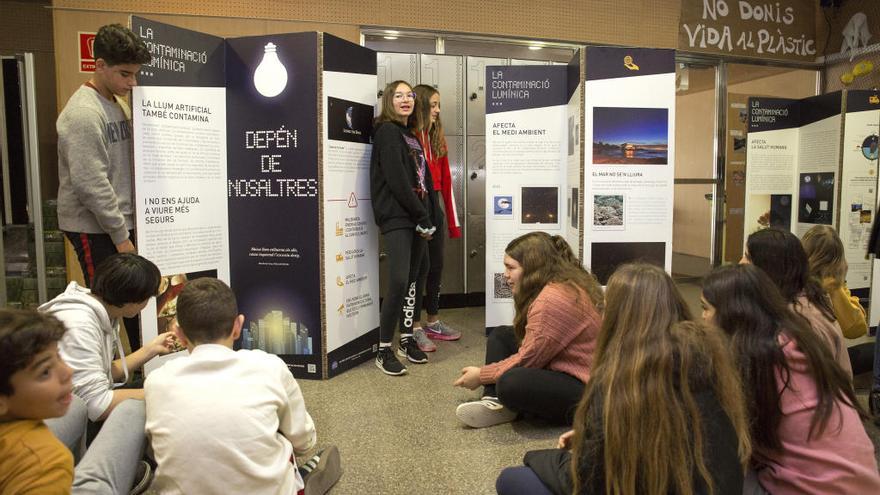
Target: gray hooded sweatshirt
(88, 346)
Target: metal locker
(475, 238)
(453, 259)
(517, 61)
(446, 74)
(392, 67)
(476, 93)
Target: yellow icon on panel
(339, 281)
(874, 100)
(340, 309)
(628, 63)
(339, 257)
(339, 230)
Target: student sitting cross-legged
(538, 367)
(225, 421)
(122, 286)
(36, 385)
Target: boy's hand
(469, 379)
(126, 246)
(565, 440)
(162, 344)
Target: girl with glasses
(400, 185)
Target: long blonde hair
(545, 259)
(420, 120)
(825, 253)
(649, 361)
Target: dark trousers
(405, 250)
(436, 246)
(546, 394)
(91, 250)
(520, 480)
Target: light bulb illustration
(270, 78)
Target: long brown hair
(420, 120)
(545, 259)
(387, 113)
(825, 253)
(649, 362)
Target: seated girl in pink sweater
(539, 366)
(806, 423)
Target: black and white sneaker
(389, 364)
(410, 350)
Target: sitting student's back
(224, 421)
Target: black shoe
(389, 364)
(410, 350)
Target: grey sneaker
(441, 331)
(484, 412)
(322, 471)
(424, 343)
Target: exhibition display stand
(612, 202)
(814, 162)
(252, 166)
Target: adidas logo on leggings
(409, 306)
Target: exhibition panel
(252, 166)
(629, 117)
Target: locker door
(476, 214)
(475, 152)
(517, 61)
(446, 74)
(476, 93)
(393, 67)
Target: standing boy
(95, 154)
(241, 410)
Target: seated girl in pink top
(806, 428)
(781, 256)
(539, 366)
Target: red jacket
(442, 179)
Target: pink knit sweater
(561, 331)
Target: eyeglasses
(404, 96)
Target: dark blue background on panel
(273, 202)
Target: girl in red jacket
(426, 125)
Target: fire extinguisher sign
(86, 51)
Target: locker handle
(473, 253)
(382, 256)
(379, 93)
(473, 96)
(473, 175)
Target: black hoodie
(394, 181)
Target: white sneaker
(483, 413)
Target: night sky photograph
(630, 136)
